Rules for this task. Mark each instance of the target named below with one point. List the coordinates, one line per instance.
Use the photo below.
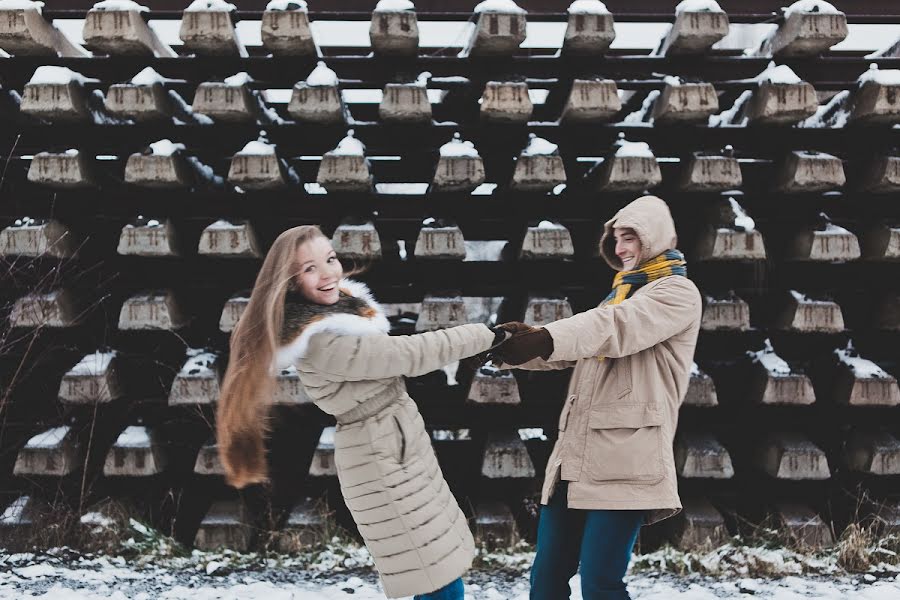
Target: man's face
(628, 247)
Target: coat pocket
(625, 444)
(564, 413)
(622, 372)
(401, 438)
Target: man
(612, 468)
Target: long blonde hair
(241, 415)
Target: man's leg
(606, 546)
(452, 591)
(558, 546)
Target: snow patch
(134, 436)
(94, 363)
(394, 5)
(880, 76)
(500, 6)
(149, 76)
(634, 149)
(728, 116)
(210, 5)
(811, 6)
(587, 7)
(831, 114)
(458, 148)
(698, 6)
(286, 5)
(741, 218)
(21, 5)
(239, 79)
(49, 74)
(322, 76)
(539, 147)
(258, 148)
(199, 363)
(349, 146)
(48, 439)
(773, 363)
(326, 439)
(165, 148)
(862, 368)
(778, 74)
(532, 433)
(643, 113)
(119, 5)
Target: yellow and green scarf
(670, 262)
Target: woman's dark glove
(527, 343)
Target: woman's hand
(526, 343)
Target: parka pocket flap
(627, 416)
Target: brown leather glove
(525, 345)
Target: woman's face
(319, 271)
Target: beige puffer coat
(390, 478)
(618, 422)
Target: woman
(303, 312)
(612, 467)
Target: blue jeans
(452, 591)
(601, 540)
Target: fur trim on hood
(355, 313)
(650, 218)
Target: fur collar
(355, 313)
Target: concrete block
(593, 100)
(459, 168)
(318, 99)
(51, 453)
(495, 526)
(806, 34)
(803, 171)
(357, 241)
(698, 525)
(226, 525)
(394, 32)
(323, 457)
(210, 33)
(223, 101)
(405, 103)
(135, 453)
(540, 311)
(804, 526)
(208, 462)
(25, 32)
(53, 309)
(94, 380)
(506, 102)
(791, 456)
(346, 169)
(588, 33)
(701, 456)
(826, 243)
(728, 312)
(64, 102)
(701, 389)
(122, 32)
(148, 238)
(224, 239)
(439, 312)
(881, 243)
(31, 237)
(289, 391)
(873, 453)
(805, 314)
(782, 103)
(547, 240)
(496, 34)
(257, 167)
(710, 173)
(437, 240)
(881, 175)
(506, 457)
(685, 103)
(694, 32)
(491, 386)
(197, 383)
(157, 171)
(876, 100)
(288, 33)
(861, 382)
(232, 312)
(65, 170)
(141, 103)
(539, 167)
(155, 310)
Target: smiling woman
(319, 271)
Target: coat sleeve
(662, 310)
(539, 364)
(359, 358)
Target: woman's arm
(358, 358)
(665, 309)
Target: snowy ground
(66, 577)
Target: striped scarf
(625, 283)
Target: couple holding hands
(611, 469)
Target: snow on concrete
(539, 147)
(199, 363)
(326, 440)
(49, 74)
(862, 368)
(134, 436)
(257, 148)
(238, 79)
(286, 5)
(727, 117)
(698, 6)
(498, 6)
(634, 149)
(811, 6)
(532, 433)
(741, 218)
(322, 76)
(880, 76)
(165, 148)
(642, 115)
(394, 5)
(549, 225)
(773, 363)
(458, 148)
(695, 370)
(782, 74)
(210, 5)
(20, 5)
(587, 7)
(119, 5)
(831, 114)
(48, 439)
(94, 363)
(149, 76)
(349, 146)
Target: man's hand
(526, 343)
